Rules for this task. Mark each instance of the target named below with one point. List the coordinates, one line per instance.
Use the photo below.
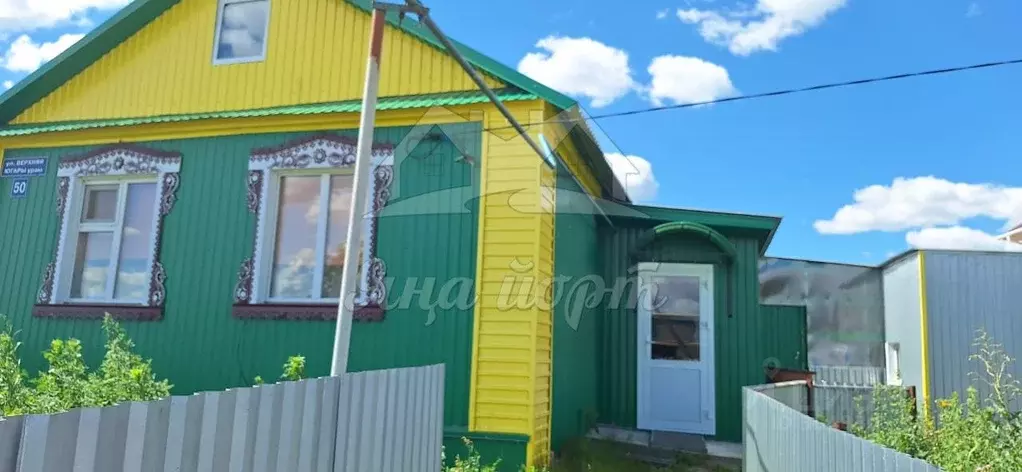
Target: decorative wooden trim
(45, 294)
(119, 160)
(322, 151)
(303, 312)
(97, 312)
(307, 142)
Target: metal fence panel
(848, 375)
(383, 420)
(781, 439)
(843, 404)
(10, 441)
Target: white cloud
(636, 175)
(26, 55)
(923, 202)
(8, 84)
(682, 79)
(974, 10)
(761, 27)
(580, 67)
(958, 237)
(27, 15)
(662, 14)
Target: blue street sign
(27, 167)
(19, 188)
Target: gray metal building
(936, 303)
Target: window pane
(92, 263)
(243, 30)
(136, 240)
(337, 232)
(676, 318)
(100, 204)
(294, 262)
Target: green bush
(123, 376)
(294, 369)
(983, 434)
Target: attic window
(241, 31)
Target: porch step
(678, 442)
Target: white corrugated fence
(381, 420)
(780, 438)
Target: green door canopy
(699, 230)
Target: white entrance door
(676, 371)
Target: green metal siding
(199, 345)
(574, 356)
(786, 340)
(740, 341)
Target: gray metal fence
(778, 438)
(382, 420)
(848, 375)
(845, 393)
(847, 404)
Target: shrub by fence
(382, 420)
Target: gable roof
(139, 13)
(119, 27)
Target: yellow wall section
(512, 354)
(317, 53)
(556, 133)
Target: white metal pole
(363, 164)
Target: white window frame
(324, 155)
(119, 166)
(222, 5)
(270, 246)
(115, 227)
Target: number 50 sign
(19, 188)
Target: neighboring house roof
(348, 106)
(1013, 235)
(139, 13)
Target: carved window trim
(121, 161)
(324, 152)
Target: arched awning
(727, 248)
(687, 227)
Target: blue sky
(941, 156)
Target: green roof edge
(347, 106)
(82, 54)
(759, 223)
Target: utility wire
(778, 93)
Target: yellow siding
(512, 353)
(556, 133)
(317, 53)
(544, 321)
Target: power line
(811, 88)
(778, 93)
